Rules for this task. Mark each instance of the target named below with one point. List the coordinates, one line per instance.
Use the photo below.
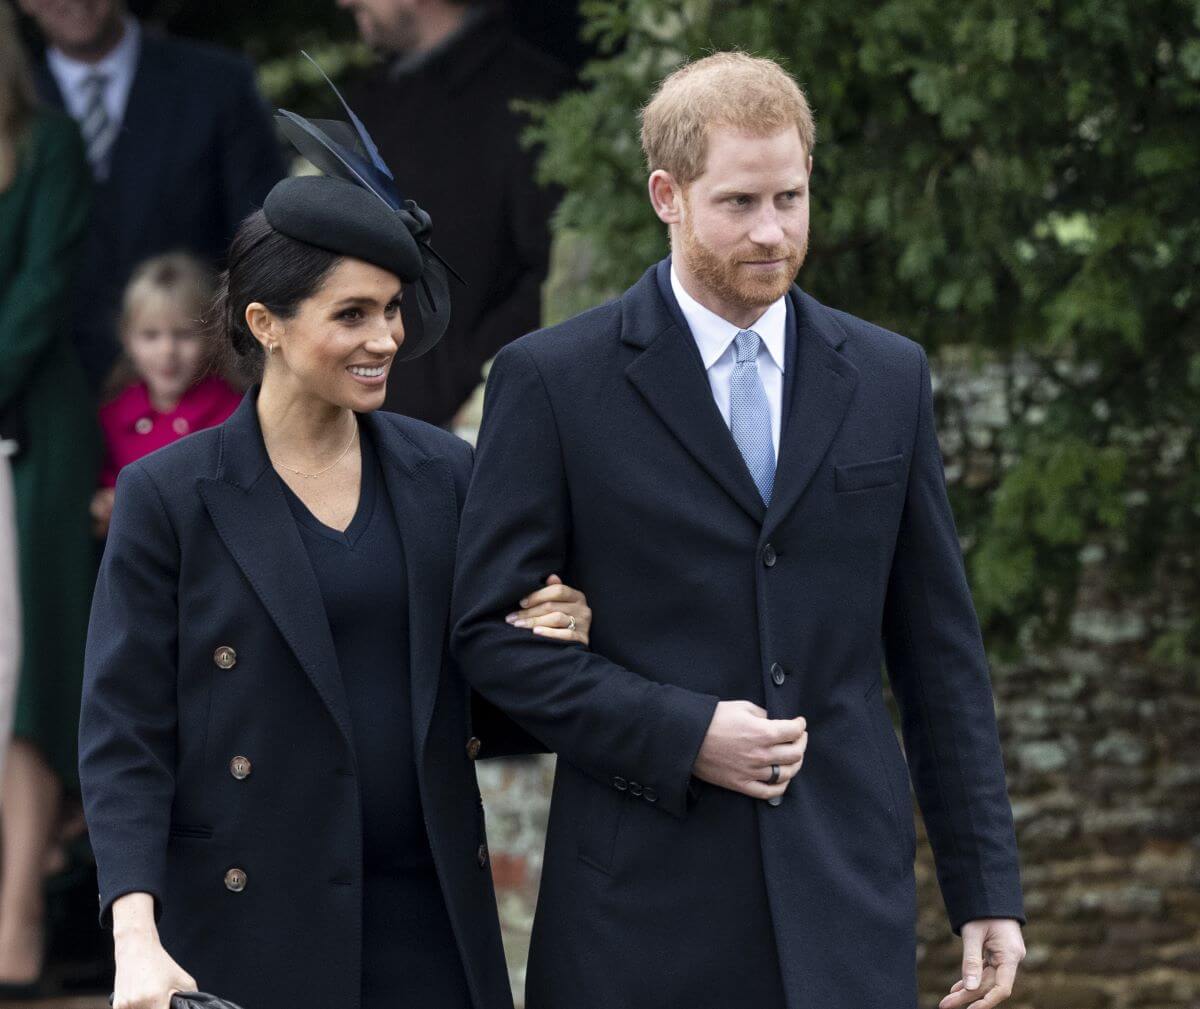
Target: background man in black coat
(179, 141)
(439, 109)
(749, 487)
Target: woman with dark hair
(276, 751)
(46, 414)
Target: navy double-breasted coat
(603, 456)
(215, 759)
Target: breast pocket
(868, 475)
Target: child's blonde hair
(176, 276)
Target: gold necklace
(310, 476)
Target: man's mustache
(788, 252)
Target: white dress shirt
(118, 66)
(714, 337)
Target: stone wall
(1102, 748)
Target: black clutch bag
(196, 1000)
(201, 1000)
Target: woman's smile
(369, 374)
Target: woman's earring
(271, 348)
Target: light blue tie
(750, 413)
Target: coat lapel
(252, 517)
(421, 490)
(47, 88)
(821, 391)
(670, 377)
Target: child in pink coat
(164, 384)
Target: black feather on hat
(355, 210)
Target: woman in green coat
(45, 406)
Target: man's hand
(741, 745)
(992, 948)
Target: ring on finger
(571, 624)
(774, 779)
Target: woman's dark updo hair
(268, 267)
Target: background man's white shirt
(119, 67)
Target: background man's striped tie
(98, 129)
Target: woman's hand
(548, 612)
(101, 510)
(147, 977)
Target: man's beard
(736, 285)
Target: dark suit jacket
(447, 132)
(203, 555)
(196, 154)
(602, 455)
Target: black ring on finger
(774, 775)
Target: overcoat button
(769, 556)
(235, 881)
(482, 855)
(239, 767)
(144, 425)
(474, 745)
(777, 674)
(180, 425)
(775, 800)
(635, 788)
(650, 795)
(620, 784)
(225, 657)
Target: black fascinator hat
(355, 210)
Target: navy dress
(410, 957)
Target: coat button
(474, 745)
(235, 881)
(777, 674)
(225, 657)
(482, 855)
(620, 784)
(769, 556)
(239, 767)
(180, 425)
(775, 800)
(635, 788)
(144, 425)
(650, 795)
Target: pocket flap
(865, 475)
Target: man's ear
(666, 196)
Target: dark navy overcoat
(215, 755)
(603, 456)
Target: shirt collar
(117, 64)
(713, 334)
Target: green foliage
(1020, 178)
(272, 33)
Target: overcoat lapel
(670, 377)
(421, 490)
(253, 519)
(821, 392)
